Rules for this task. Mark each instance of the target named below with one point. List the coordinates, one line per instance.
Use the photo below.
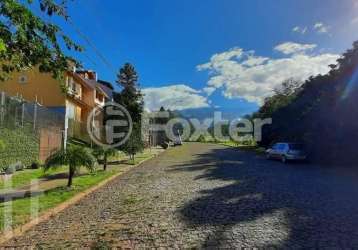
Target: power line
(88, 41)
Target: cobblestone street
(209, 196)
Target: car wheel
(283, 159)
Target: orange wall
(42, 85)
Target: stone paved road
(209, 196)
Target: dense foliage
(322, 112)
(19, 145)
(27, 40)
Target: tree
(103, 153)
(74, 157)
(134, 144)
(283, 95)
(130, 97)
(322, 113)
(27, 40)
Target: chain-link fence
(29, 132)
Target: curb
(8, 235)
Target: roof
(89, 83)
(105, 83)
(107, 91)
(93, 84)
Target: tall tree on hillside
(27, 40)
(132, 99)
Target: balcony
(75, 94)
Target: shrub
(35, 164)
(165, 145)
(20, 145)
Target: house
(76, 97)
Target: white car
(287, 151)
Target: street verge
(71, 198)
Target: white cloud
(292, 48)
(254, 81)
(354, 20)
(209, 90)
(174, 97)
(298, 29)
(232, 53)
(321, 27)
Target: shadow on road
(318, 209)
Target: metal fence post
(22, 114)
(15, 116)
(35, 116)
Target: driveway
(210, 196)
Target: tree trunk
(105, 162)
(70, 176)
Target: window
(99, 96)
(74, 88)
(71, 111)
(282, 146)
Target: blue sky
(168, 40)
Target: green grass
(23, 178)
(21, 207)
(256, 149)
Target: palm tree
(103, 153)
(74, 157)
